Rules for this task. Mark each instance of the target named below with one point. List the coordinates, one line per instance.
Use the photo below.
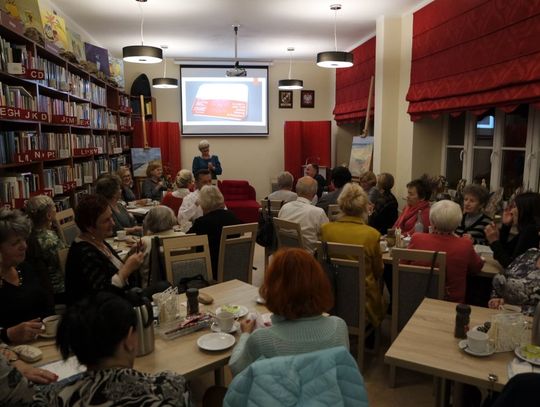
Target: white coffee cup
(225, 321)
(51, 324)
(478, 342)
(148, 201)
(510, 309)
(121, 235)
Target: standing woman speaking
(206, 161)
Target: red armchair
(240, 198)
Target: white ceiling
(199, 29)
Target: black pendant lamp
(290, 84)
(335, 59)
(164, 83)
(142, 54)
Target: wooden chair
(289, 234)
(67, 228)
(182, 259)
(346, 265)
(410, 285)
(275, 206)
(333, 212)
(236, 250)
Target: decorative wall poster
(116, 68)
(25, 11)
(361, 154)
(77, 45)
(54, 28)
(140, 157)
(99, 56)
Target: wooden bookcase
(60, 127)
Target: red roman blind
(352, 84)
(471, 55)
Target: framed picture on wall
(307, 98)
(285, 99)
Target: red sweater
(460, 260)
(407, 219)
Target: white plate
(215, 328)
(47, 336)
(464, 346)
(533, 361)
(238, 314)
(216, 341)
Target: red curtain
(352, 84)
(165, 135)
(306, 141)
(471, 55)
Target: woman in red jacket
(418, 194)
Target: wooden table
(490, 269)
(427, 344)
(182, 355)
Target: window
(499, 149)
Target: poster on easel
(140, 157)
(361, 155)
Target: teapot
(145, 320)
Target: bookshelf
(60, 127)
(149, 109)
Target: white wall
(256, 159)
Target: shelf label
(45, 191)
(88, 179)
(61, 119)
(19, 203)
(35, 155)
(84, 122)
(117, 150)
(125, 109)
(85, 151)
(9, 112)
(68, 186)
(36, 74)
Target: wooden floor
(412, 390)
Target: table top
(427, 344)
(490, 269)
(182, 355)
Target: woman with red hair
(297, 292)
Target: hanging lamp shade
(335, 59)
(290, 84)
(164, 83)
(142, 54)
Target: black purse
(265, 230)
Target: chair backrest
(275, 206)
(67, 227)
(289, 234)
(410, 280)
(333, 212)
(62, 258)
(172, 202)
(236, 250)
(186, 256)
(345, 267)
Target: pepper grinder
(192, 295)
(463, 312)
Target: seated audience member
(368, 182)
(475, 198)
(461, 259)
(159, 221)
(385, 208)
(352, 229)
(301, 211)
(127, 184)
(215, 216)
(206, 161)
(525, 215)
(154, 185)
(92, 265)
(23, 301)
(312, 170)
(43, 246)
(190, 208)
(519, 283)
(285, 183)
(110, 187)
(340, 177)
(101, 332)
(297, 292)
(520, 391)
(182, 184)
(418, 194)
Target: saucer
(260, 300)
(47, 336)
(215, 328)
(238, 314)
(464, 346)
(216, 341)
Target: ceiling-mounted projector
(237, 70)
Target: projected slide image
(222, 100)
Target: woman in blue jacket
(206, 161)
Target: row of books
(11, 53)
(98, 94)
(17, 96)
(14, 186)
(56, 76)
(124, 121)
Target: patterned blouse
(47, 243)
(15, 390)
(116, 387)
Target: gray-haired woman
(44, 244)
(206, 161)
(23, 302)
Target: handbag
(430, 277)
(197, 281)
(331, 271)
(265, 230)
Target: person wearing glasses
(206, 161)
